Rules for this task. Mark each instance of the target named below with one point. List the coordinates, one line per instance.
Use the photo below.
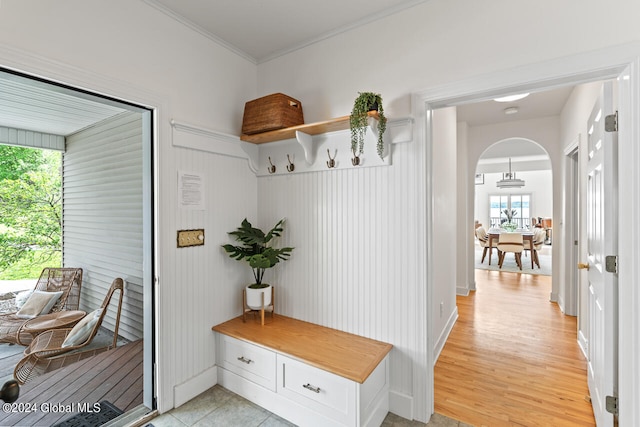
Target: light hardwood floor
(512, 358)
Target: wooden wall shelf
(303, 142)
(340, 123)
(304, 133)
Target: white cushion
(40, 302)
(22, 297)
(83, 329)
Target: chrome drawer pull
(312, 388)
(242, 359)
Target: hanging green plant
(365, 102)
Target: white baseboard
(584, 344)
(401, 404)
(561, 305)
(182, 393)
(442, 339)
(462, 291)
(553, 297)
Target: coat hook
(355, 161)
(290, 166)
(272, 168)
(331, 163)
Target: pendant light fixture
(509, 180)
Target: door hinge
(611, 122)
(612, 405)
(611, 263)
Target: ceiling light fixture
(511, 110)
(511, 98)
(509, 179)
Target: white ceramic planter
(254, 297)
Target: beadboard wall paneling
(102, 228)
(202, 284)
(355, 266)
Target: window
(521, 203)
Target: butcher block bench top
(341, 353)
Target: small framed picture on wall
(479, 178)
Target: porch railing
(522, 222)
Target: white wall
(150, 57)
(444, 233)
(440, 42)
(537, 183)
(130, 50)
(103, 219)
(465, 274)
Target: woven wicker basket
(271, 112)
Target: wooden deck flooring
(512, 358)
(10, 355)
(115, 376)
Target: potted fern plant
(255, 248)
(365, 102)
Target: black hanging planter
(358, 121)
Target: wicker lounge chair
(48, 351)
(66, 280)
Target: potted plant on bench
(255, 248)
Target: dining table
(527, 237)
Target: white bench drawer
(250, 361)
(324, 392)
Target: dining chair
(539, 237)
(483, 239)
(510, 242)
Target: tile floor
(221, 407)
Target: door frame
(154, 124)
(574, 223)
(581, 68)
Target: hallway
(512, 358)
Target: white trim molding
(182, 393)
(202, 139)
(629, 244)
(27, 138)
(157, 383)
(442, 339)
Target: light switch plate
(188, 238)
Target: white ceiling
(540, 104)
(261, 30)
(38, 106)
(526, 155)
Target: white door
(602, 231)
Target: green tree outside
(30, 211)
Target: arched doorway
(529, 202)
